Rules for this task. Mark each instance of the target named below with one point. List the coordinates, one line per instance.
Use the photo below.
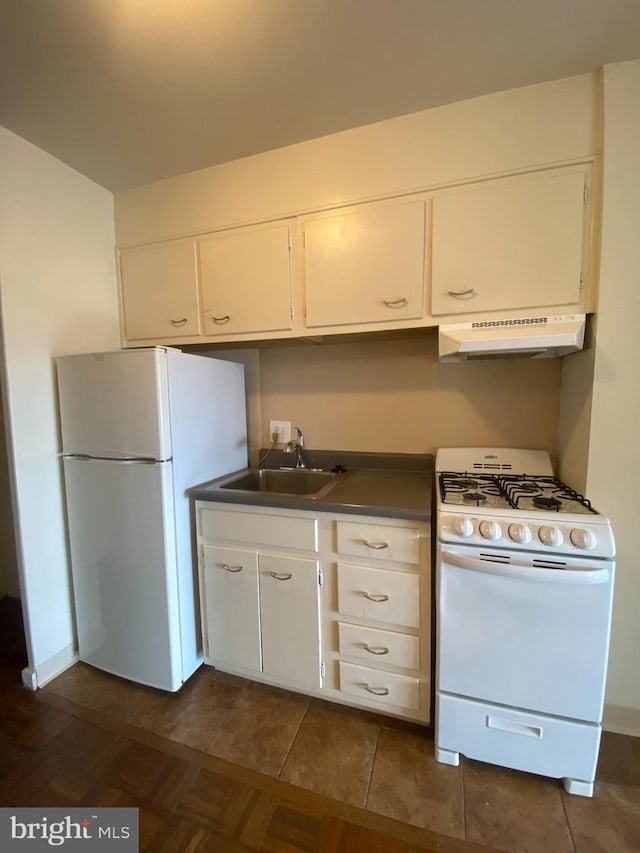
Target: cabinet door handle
(281, 576)
(378, 597)
(377, 691)
(229, 568)
(376, 650)
(463, 294)
(220, 320)
(178, 322)
(396, 303)
(377, 546)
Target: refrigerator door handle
(124, 460)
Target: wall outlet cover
(282, 429)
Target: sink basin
(298, 481)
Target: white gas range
(525, 570)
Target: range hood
(519, 337)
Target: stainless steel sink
(297, 481)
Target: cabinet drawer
(286, 531)
(375, 685)
(379, 594)
(379, 541)
(387, 648)
(549, 746)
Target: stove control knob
(582, 538)
(490, 530)
(551, 536)
(463, 527)
(520, 533)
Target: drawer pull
(463, 294)
(377, 546)
(514, 728)
(378, 597)
(281, 576)
(377, 691)
(220, 320)
(396, 303)
(376, 650)
(178, 322)
(232, 569)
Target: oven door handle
(519, 570)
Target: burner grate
(543, 492)
(519, 491)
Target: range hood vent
(518, 337)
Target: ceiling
(130, 91)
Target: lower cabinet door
(289, 606)
(231, 604)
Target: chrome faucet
(297, 445)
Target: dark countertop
(394, 485)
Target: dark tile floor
(376, 763)
(364, 763)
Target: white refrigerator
(139, 427)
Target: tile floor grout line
(566, 817)
(295, 738)
(375, 755)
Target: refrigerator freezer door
(122, 535)
(115, 404)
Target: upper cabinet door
(159, 292)
(246, 280)
(511, 243)
(365, 264)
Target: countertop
(394, 485)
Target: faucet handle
(299, 437)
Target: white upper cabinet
(510, 243)
(159, 292)
(246, 280)
(365, 264)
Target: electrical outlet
(280, 431)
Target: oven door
(515, 632)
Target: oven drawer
(376, 685)
(379, 541)
(379, 594)
(387, 648)
(512, 738)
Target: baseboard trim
(55, 665)
(624, 721)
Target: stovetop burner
(541, 502)
(466, 483)
(476, 498)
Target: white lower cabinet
(230, 596)
(383, 591)
(289, 611)
(259, 594)
(331, 605)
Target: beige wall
(58, 296)
(9, 581)
(395, 396)
(614, 448)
